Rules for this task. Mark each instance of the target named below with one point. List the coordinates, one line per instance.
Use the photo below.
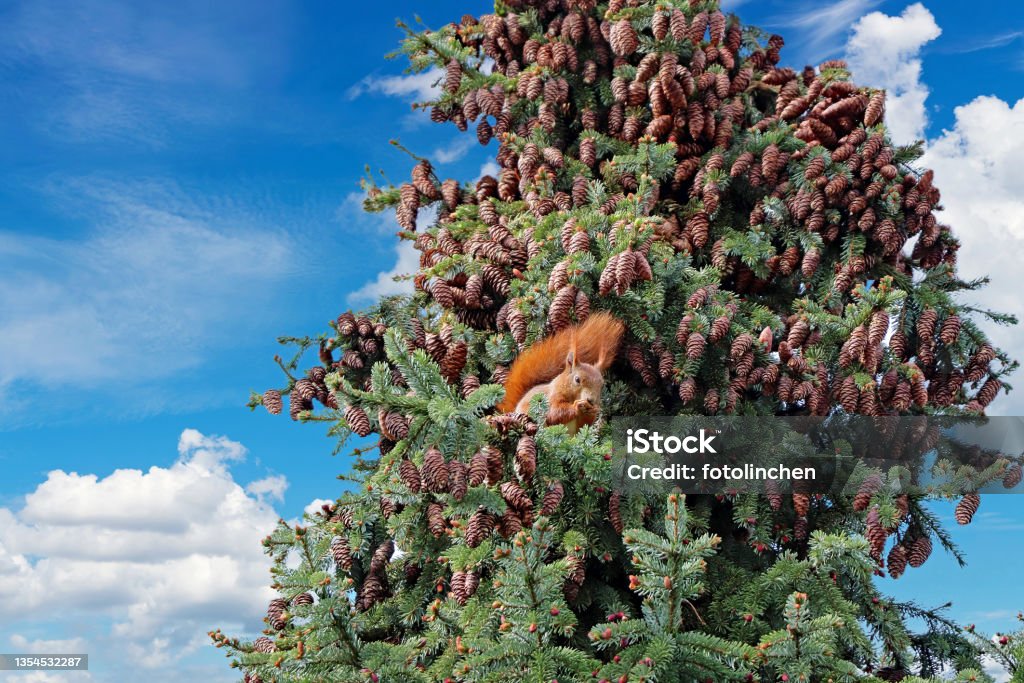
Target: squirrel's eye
(577, 378)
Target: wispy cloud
(418, 87)
(453, 151)
(819, 25)
(153, 288)
(989, 43)
(120, 69)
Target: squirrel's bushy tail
(596, 341)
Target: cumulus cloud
(407, 261)
(147, 561)
(406, 257)
(883, 51)
(976, 166)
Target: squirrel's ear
(570, 360)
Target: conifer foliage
(771, 252)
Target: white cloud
(151, 290)
(39, 646)
(316, 505)
(166, 554)
(453, 151)
(407, 261)
(383, 225)
(268, 488)
(883, 52)
(490, 168)
(976, 166)
(418, 87)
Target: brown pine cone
(509, 524)
(897, 560)
(435, 471)
(272, 401)
(470, 383)
(454, 360)
(801, 528)
(697, 229)
(495, 464)
(435, 519)
(875, 109)
(1014, 475)
(695, 345)
(561, 308)
(458, 586)
(472, 582)
(479, 527)
(868, 488)
(920, 550)
(687, 389)
(711, 402)
(388, 507)
(740, 345)
(623, 38)
(357, 420)
(264, 644)
(801, 504)
(809, 266)
(552, 498)
(381, 556)
(950, 329)
(397, 426)
(303, 599)
(988, 391)
(966, 508)
(276, 616)
(878, 327)
(771, 489)
(582, 306)
(373, 590)
(926, 324)
(477, 469)
(341, 552)
(625, 271)
(614, 511)
(457, 479)
(409, 474)
(515, 496)
(798, 334)
(875, 533)
(526, 458)
(683, 331)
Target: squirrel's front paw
(585, 407)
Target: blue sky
(178, 186)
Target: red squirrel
(568, 368)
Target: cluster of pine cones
(727, 115)
(569, 89)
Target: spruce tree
(771, 252)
